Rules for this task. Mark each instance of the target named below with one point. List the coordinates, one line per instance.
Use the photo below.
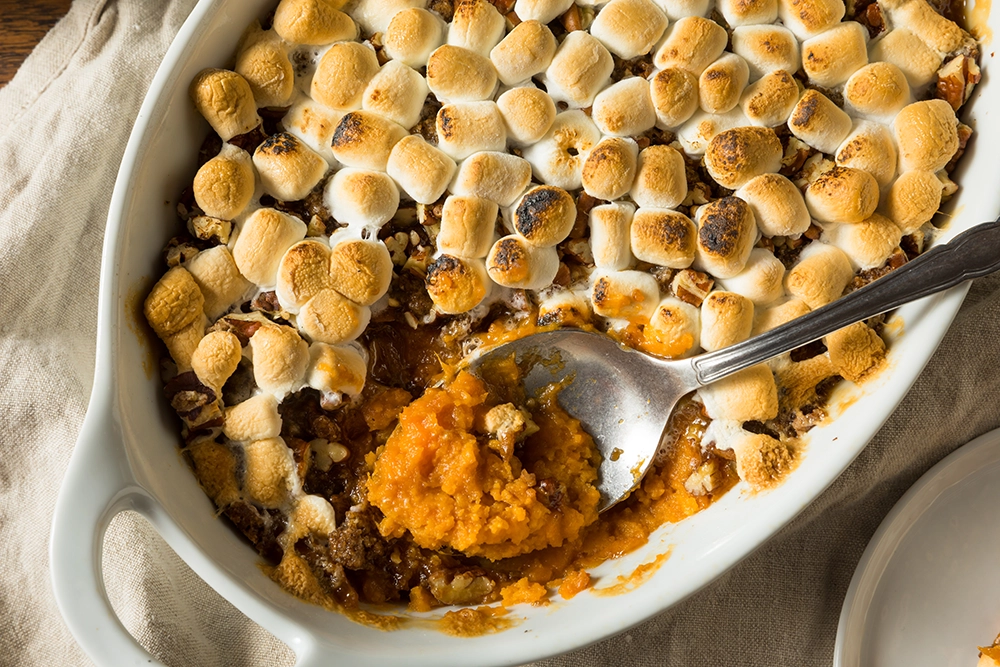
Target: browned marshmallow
(579, 70)
(736, 156)
(808, 18)
(610, 239)
(513, 262)
(565, 307)
(624, 295)
(526, 51)
(766, 319)
(288, 169)
(695, 135)
(913, 200)
(842, 194)
(226, 101)
(373, 16)
(420, 169)
(939, 33)
(465, 128)
(314, 124)
(726, 319)
(766, 48)
(870, 147)
(256, 418)
(174, 303)
(819, 122)
(412, 35)
(777, 205)
(624, 108)
(674, 92)
(528, 113)
(748, 12)
(263, 239)
(750, 394)
(268, 476)
(330, 317)
(361, 198)
(663, 237)
(396, 93)
(455, 74)
(830, 58)
(457, 285)
(675, 327)
(856, 351)
(224, 185)
(660, 180)
(770, 100)
(216, 358)
(909, 53)
(868, 243)
(336, 369)
(542, 11)
(266, 67)
(726, 234)
(303, 272)
(878, 90)
(343, 74)
(691, 44)
(364, 140)
(721, 84)
(629, 28)
(761, 281)
(610, 168)
(467, 225)
(218, 278)
(927, 135)
(820, 275)
(477, 26)
(313, 22)
(558, 158)
(544, 216)
(499, 177)
(279, 359)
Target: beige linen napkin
(66, 118)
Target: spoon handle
(971, 254)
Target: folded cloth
(68, 114)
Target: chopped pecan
(691, 286)
(571, 19)
(964, 134)
(211, 229)
(179, 249)
(956, 80)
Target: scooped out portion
(485, 476)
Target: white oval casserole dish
(127, 456)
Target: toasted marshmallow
(870, 147)
(692, 44)
(469, 127)
(544, 216)
(820, 275)
(629, 28)
(288, 168)
(513, 262)
(625, 108)
(364, 140)
(856, 351)
(726, 319)
(224, 185)
(528, 113)
(695, 135)
(477, 26)
(336, 369)
(766, 319)
(660, 179)
(304, 271)
(526, 51)
(808, 18)
(761, 460)
(374, 15)
(610, 239)
(761, 281)
(314, 124)
(909, 53)
(829, 59)
(542, 11)
(343, 74)
(226, 101)
(420, 169)
(769, 101)
(564, 307)
(726, 234)
(766, 48)
(610, 168)
(268, 476)
(674, 330)
(736, 156)
(412, 35)
(624, 295)
(457, 285)
(674, 93)
(927, 134)
(878, 91)
(777, 205)
(938, 32)
(218, 278)
(679, 9)
(329, 317)
(279, 359)
(579, 70)
(842, 194)
(868, 243)
(313, 22)
(721, 84)
(312, 515)
(750, 394)
(361, 198)
(558, 158)
(663, 237)
(216, 358)
(455, 74)
(182, 345)
(499, 177)
(748, 12)
(256, 418)
(396, 93)
(819, 122)
(266, 67)
(913, 200)
(263, 239)
(467, 225)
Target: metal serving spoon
(624, 397)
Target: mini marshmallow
(938, 32)
(267, 478)
(579, 70)
(674, 330)
(223, 186)
(766, 48)
(629, 28)
(830, 58)
(343, 74)
(336, 369)
(361, 269)
(528, 113)
(726, 319)
(777, 205)
(219, 280)
(736, 156)
(870, 147)
(721, 84)
(329, 317)
(469, 127)
(457, 285)
(266, 67)
(564, 307)
(610, 168)
(749, 395)
(766, 319)
(625, 108)
(263, 239)
(455, 74)
(216, 358)
(314, 124)
(769, 101)
(900, 47)
(912, 200)
(624, 295)
(748, 12)
(544, 216)
(820, 275)
(304, 271)
(374, 15)
(674, 93)
(364, 140)
(610, 239)
(526, 51)
(542, 11)
(819, 122)
(680, 9)
(361, 198)
(878, 91)
(726, 234)
(692, 44)
(927, 135)
(660, 179)
(663, 237)
(467, 225)
(182, 345)
(808, 18)
(499, 177)
(421, 170)
(513, 262)
(279, 359)
(694, 135)
(256, 418)
(842, 194)
(396, 93)
(558, 158)
(761, 280)
(288, 169)
(856, 351)
(313, 22)
(412, 35)
(867, 243)
(226, 101)
(477, 26)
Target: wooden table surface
(23, 23)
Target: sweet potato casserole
(391, 185)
